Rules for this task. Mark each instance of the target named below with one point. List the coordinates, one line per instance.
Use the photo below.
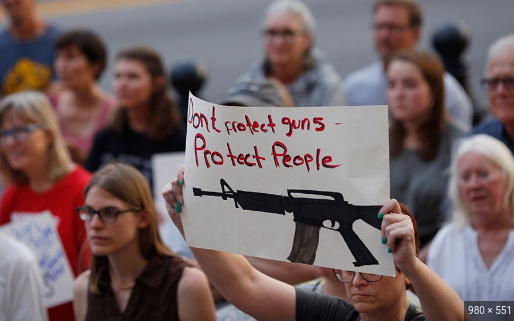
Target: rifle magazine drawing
(311, 210)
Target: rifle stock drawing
(310, 209)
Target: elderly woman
(41, 175)
(420, 137)
(371, 296)
(288, 35)
(475, 253)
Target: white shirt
(21, 283)
(454, 255)
(368, 86)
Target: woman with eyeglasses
(288, 37)
(371, 297)
(133, 275)
(41, 176)
(475, 252)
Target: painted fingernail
(179, 205)
(389, 250)
(380, 215)
(180, 182)
(178, 209)
(384, 240)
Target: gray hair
(34, 108)
(499, 46)
(494, 151)
(295, 7)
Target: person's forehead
(396, 13)
(502, 63)
(283, 19)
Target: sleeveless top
(154, 296)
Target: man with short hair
(27, 49)
(499, 83)
(397, 27)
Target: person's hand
(172, 194)
(398, 232)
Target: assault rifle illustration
(310, 212)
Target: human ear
(144, 219)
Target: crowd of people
(83, 154)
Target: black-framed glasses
(287, 34)
(19, 133)
(348, 276)
(492, 83)
(107, 214)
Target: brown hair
(412, 6)
(128, 185)
(34, 108)
(163, 116)
(432, 71)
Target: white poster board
(253, 174)
(39, 233)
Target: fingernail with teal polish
(179, 205)
(383, 240)
(180, 182)
(389, 250)
(178, 209)
(380, 215)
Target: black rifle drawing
(309, 214)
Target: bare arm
(260, 296)
(290, 273)
(80, 294)
(193, 292)
(438, 300)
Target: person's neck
(29, 28)
(128, 264)
(286, 73)
(488, 223)
(411, 139)
(39, 181)
(87, 96)
(394, 312)
(137, 119)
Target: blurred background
(225, 34)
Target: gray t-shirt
(421, 185)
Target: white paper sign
(38, 232)
(291, 184)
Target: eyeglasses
(18, 133)
(492, 83)
(390, 27)
(347, 276)
(107, 214)
(287, 34)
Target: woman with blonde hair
(41, 176)
(133, 275)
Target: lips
(98, 239)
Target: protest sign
(39, 233)
(291, 184)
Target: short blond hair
(35, 108)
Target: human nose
(96, 221)
(358, 280)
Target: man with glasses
(397, 27)
(499, 83)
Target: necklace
(117, 284)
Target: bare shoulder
(80, 292)
(82, 281)
(192, 280)
(194, 291)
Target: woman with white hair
(288, 37)
(41, 176)
(475, 253)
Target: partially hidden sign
(292, 184)
(39, 233)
